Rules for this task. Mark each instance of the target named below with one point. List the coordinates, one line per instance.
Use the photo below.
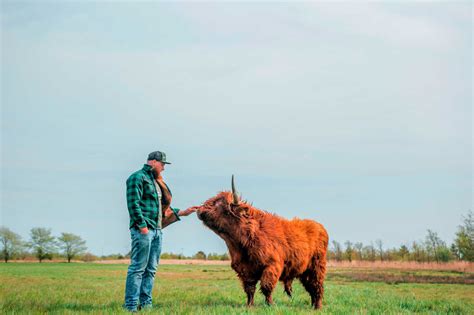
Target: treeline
(42, 245)
(199, 255)
(431, 249)
(88, 257)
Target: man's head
(157, 161)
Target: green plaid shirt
(142, 200)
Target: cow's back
(307, 240)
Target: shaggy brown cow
(267, 248)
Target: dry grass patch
(461, 266)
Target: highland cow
(265, 247)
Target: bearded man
(148, 202)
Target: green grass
(61, 288)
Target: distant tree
(11, 243)
(436, 247)
(111, 256)
(464, 241)
(379, 245)
(349, 252)
(358, 249)
(444, 253)
(431, 243)
(88, 257)
(72, 245)
(337, 249)
(42, 243)
(391, 254)
(403, 252)
(215, 256)
(200, 255)
(418, 252)
(166, 255)
(370, 252)
(173, 256)
(330, 254)
(455, 252)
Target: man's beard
(155, 173)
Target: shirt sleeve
(170, 216)
(175, 212)
(134, 195)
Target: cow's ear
(239, 210)
(234, 210)
(234, 207)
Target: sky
(356, 115)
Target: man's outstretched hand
(183, 213)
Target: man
(148, 201)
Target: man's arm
(172, 215)
(134, 195)
(183, 213)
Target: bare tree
(418, 252)
(349, 251)
(379, 245)
(72, 245)
(358, 249)
(369, 252)
(436, 247)
(337, 250)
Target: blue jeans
(145, 255)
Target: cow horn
(235, 198)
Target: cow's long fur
(265, 247)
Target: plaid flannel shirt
(142, 200)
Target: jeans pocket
(135, 233)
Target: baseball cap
(158, 156)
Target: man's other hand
(144, 230)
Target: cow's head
(222, 213)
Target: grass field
(27, 288)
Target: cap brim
(167, 162)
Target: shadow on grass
(84, 307)
(204, 303)
(114, 307)
(220, 303)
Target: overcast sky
(356, 115)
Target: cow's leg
(268, 282)
(288, 288)
(249, 284)
(307, 280)
(249, 288)
(312, 280)
(320, 267)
